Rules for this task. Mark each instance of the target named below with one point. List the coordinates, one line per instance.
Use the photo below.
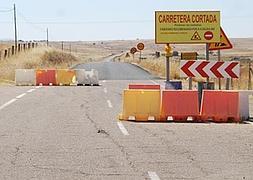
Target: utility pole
(47, 38)
(62, 46)
(15, 28)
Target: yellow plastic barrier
(65, 77)
(141, 105)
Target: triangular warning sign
(223, 44)
(196, 36)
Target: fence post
(29, 45)
(12, 50)
(24, 46)
(18, 47)
(9, 52)
(5, 53)
(32, 45)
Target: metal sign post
(219, 59)
(207, 58)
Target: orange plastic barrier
(45, 77)
(180, 105)
(220, 106)
(65, 77)
(141, 105)
(144, 86)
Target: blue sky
(112, 19)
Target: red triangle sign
(223, 44)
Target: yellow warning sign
(181, 27)
(196, 36)
(223, 44)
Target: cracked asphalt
(71, 133)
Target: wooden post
(5, 53)
(9, 52)
(12, 50)
(24, 46)
(29, 45)
(32, 45)
(249, 82)
(19, 48)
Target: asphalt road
(73, 133)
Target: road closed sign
(187, 27)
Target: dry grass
(35, 58)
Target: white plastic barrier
(25, 77)
(244, 103)
(87, 77)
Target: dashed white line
(105, 90)
(153, 175)
(8, 103)
(123, 129)
(109, 103)
(31, 90)
(21, 95)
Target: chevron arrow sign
(210, 69)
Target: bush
(56, 58)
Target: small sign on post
(140, 47)
(189, 55)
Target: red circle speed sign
(140, 46)
(133, 50)
(208, 35)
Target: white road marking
(8, 103)
(105, 90)
(156, 83)
(21, 95)
(123, 129)
(249, 122)
(153, 175)
(37, 87)
(109, 103)
(31, 90)
(104, 81)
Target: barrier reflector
(141, 105)
(25, 77)
(65, 77)
(220, 106)
(143, 86)
(91, 77)
(178, 105)
(45, 77)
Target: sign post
(133, 51)
(168, 54)
(223, 44)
